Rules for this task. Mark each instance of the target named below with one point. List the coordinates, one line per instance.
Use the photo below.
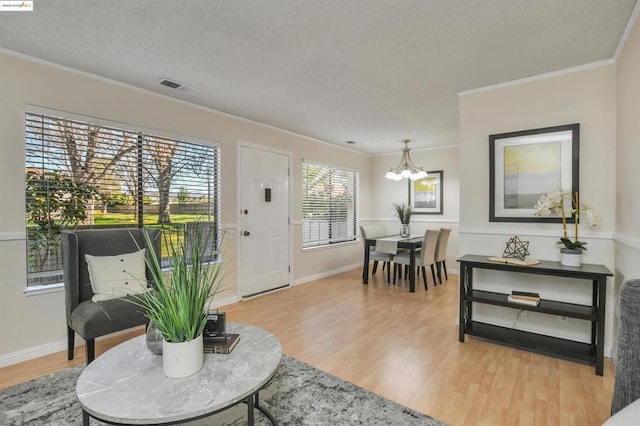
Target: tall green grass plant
(179, 300)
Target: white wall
(386, 193)
(628, 158)
(35, 324)
(586, 96)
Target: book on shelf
(523, 301)
(525, 295)
(220, 345)
(514, 261)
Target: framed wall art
(526, 164)
(426, 195)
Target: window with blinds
(329, 205)
(81, 174)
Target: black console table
(590, 353)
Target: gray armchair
(627, 385)
(93, 319)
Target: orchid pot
(570, 257)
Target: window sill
(37, 290)
(330, 246)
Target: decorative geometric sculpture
(516, 248)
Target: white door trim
(244, 144)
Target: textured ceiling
(374, 72)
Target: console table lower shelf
(533, 342)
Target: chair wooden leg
(71, 340)
(424, 277)
(90, 347)
(444, 266)
(395, 272)
(375, 267)
(388, 264)
(433, 274)
(438, 271)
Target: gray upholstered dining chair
(374, 231)
(89, 318)
(441, 253)
(425, 257)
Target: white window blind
(329, 205)
(81, 175)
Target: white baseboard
(325, 274)
(47, 349)
(33, 352)
(217, 303)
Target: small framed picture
(426, 194)
(526, 164)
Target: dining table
(412, 243)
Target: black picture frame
(434, 182)
(526, 164)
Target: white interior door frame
(240, 144)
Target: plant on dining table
(554, 202)
(404, 213)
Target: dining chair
(425, 257)
(441, 252)
(375, 231)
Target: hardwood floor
(405, 347)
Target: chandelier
(406, 168)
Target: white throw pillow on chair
(117, 276)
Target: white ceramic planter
(570, 257)
(182, 359)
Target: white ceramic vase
(182, 359)
(571, 257)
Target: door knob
(246, 233)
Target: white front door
(264, 223)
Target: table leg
(85, 418)
(250, 417)
(594, 324)
(602, 281)
(412, 269)
(462, 278)
(263, 411)
(365, 267)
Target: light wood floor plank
(405, 347)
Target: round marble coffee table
(126, 385)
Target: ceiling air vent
(174, 85)
(169, 83)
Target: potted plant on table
(178, 302)
(404, 214)
(553, 203)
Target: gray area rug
(298, 395)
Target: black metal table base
(251, 404)
(252, 401)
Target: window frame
(214, 192)
(354, 208)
